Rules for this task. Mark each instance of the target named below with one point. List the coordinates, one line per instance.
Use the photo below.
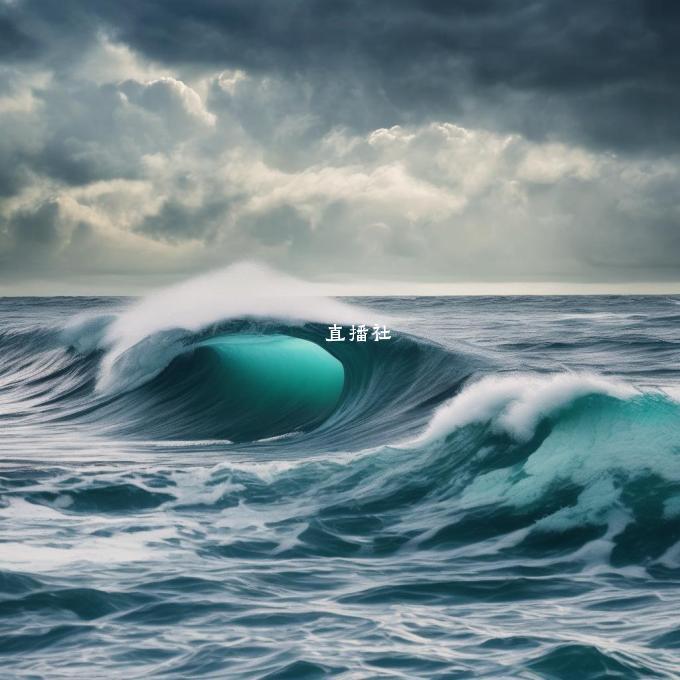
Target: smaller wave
(86, 332)
(515, 403)
(601, 316)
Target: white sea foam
(118, 549)
(516, 403)
(242, 290)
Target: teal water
(493, 493)
(272, 385)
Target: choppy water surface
(495, 492)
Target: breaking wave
(202, 466)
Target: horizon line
(379, 289)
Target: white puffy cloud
(122, 166)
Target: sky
(379, 145)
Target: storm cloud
(421, 140)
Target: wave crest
(514, 404)
(143, 338)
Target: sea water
(211, 489)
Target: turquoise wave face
(272, 384)
(248, 380)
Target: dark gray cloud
(14, 44)
(176, 221)
(603, 72)
(442, 139)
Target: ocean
(200, 487)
